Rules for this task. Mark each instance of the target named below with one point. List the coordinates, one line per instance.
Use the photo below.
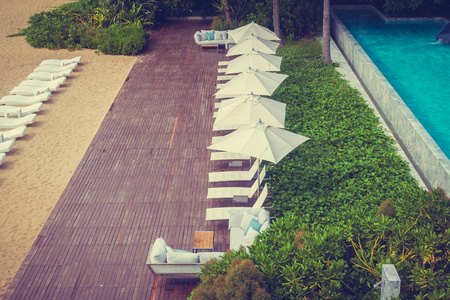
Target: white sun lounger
(2, 157)
(223, 155)
(29, 90)
(60, 62)
(225, 77)
(224, 63)
(25, 100)
(55, 69)
(6, 110)
(223, 213)
(228, 176)
(47, 76)
(52, 85)
(231, 192)
(13, 133)
(6, 146)
(6, 123)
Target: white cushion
(205, 256)
(251, 235)
(158, 254)
(220, 35)
(203, 36)
(263, 216)
(235, 218)
(237, 238)
(182, 258)
(264, 226)
(246, 220)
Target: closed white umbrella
(261, 141)
(255, 60)
(254, 43)
(241, 33)
(252, 81)
(249, 109)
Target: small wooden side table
(203, 240)
(210, 46)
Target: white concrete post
(390, 283)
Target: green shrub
(128, 40)
(47, 30)
(242, 281)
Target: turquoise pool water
(416, 66)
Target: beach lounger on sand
(25, 100)
(47, 76)
(228, 176)
(55, 69)
(231, 192)
(13, 134)
(6, 110)
(29, 90)
(52, 85)
(60, 62)
(6, 146)
(6, 123)
(2, 157)
(223, 213)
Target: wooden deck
(143, 176)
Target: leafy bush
(128, 40)
(93, 24)
(242, 281)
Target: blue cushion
(253, 224)
(210, 35)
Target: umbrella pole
(259, 165)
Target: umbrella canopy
(253, 43)
(241, 33)
(249, 109)
(252, 81)
(261, 141)
(255, 60)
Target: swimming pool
(415, 65)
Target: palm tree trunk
(276, 19)
(227, 11)
(326, 32)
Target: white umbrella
(252, 81)
(241, 33)
(255, 60)
(261, 141)
(253, 43)
(249, 109)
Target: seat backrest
(262, 197)
(262, 175)
(253, 169)
(255, 185)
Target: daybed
(162, 260)
(245, 226)
(212, 37)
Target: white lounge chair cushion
(182, 258)
(246, 219)
(60, 62)
(2, 157)
(13, 133)
(206, 256)
(24, 100)
(6, 146)
(158, 254)
(52, 69)
(29, 90)
(263, 216)
(251, 235)
(235, 218)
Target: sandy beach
(38, 168)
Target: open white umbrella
(241, 33)
(252, 81)
(255, 60)
(261, 141)
(254, 43)
(249, 109)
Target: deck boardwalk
(144, 175)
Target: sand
(36, 171)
